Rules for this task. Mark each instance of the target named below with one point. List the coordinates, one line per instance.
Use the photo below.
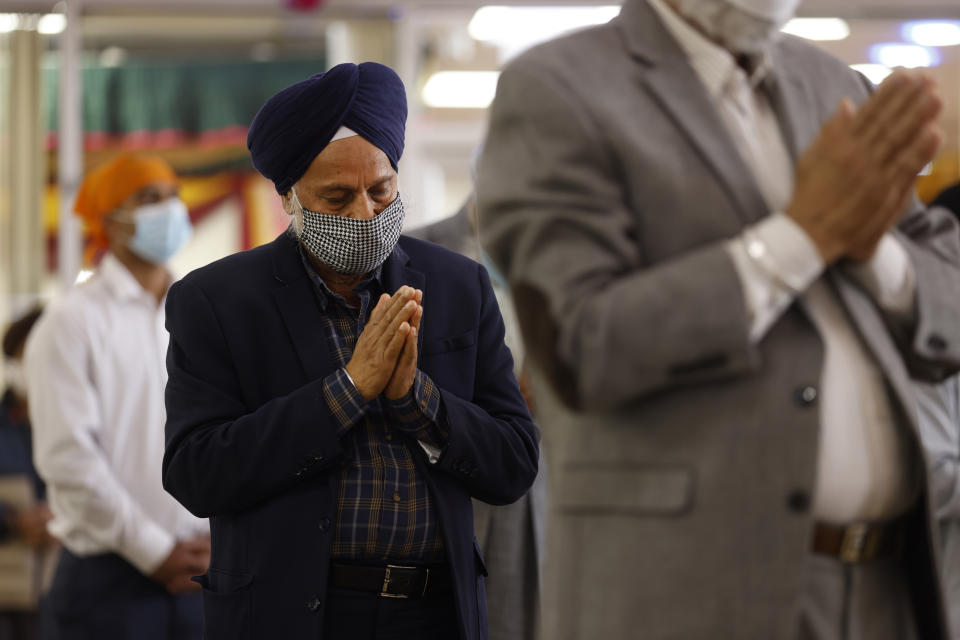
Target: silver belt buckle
(384, 590)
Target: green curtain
(187, 97)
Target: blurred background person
(95, 370)
(512, 536)
(27, 524)
(720, 267)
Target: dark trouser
(104, 597)
(356, 615)
(18, 625)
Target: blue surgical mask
(162, 230)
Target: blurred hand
(375, 357)
(857, 177)
(189, 558)
(31, 524)
(406, 370)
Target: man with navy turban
(337, 396)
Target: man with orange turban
(95, 371)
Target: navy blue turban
(295, 125)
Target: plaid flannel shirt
(384, 510)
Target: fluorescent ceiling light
(9, 22)
(461, 89)
(875, 73)
(52, 24)
(818, 28)
(514, 29)
(932, 33)
(909, 56)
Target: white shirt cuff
(775, 261)
(889, 277)
(787, 253)
(150, 546)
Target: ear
(286, 200)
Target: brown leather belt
(858, 543)
(392, 581)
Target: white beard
(734, 29)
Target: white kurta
(96, 372)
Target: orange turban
(106, 187)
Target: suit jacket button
(798, 501)
(806, 396)
(324, 524)
(936, 342)
(314, 604)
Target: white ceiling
(851, 8)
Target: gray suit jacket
(939, 409)
(683, 457)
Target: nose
(362, 208)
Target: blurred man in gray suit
(512, 536)
(721, 270)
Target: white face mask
(776, 12)
(15, 378)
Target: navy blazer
(252, 445)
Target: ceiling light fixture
(461, 89)
(932, 33)
(9, 22)
(910, 56)
(515, 29)
(818, 28)
(52, 23)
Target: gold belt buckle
(384, 593)
(854, 546)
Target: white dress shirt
(95, 368)
(864, 466)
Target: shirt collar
(715, 66)
(120, 281)
(324, 293)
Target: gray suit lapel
(673, 83)
(683, 97)
(791, 100)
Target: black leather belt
(392, 581)
(860, 542)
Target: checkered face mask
(352, 246)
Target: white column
(25, 170)
(360, 41)
(69, 146)
(413, 183)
